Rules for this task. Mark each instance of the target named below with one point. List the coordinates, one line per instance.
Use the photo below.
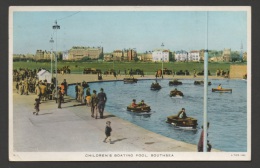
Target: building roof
(194, 51)
(117, 51)
(181, 52)
(163, 50)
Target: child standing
(37, 106)
(88, 97)
(108, 131)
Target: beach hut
(44, 74)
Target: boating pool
(227, 112)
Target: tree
(235, 56)
(136, 59)
(101, 56)
(85, 59)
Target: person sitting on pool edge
(133, 103)
(142, 103)
(182, 114)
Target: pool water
(227, 112)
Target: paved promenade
(72, 129)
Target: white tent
(44, 74)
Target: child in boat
(142, 104)
(219, 86)
(133, 103)
(182, 114)
(175, 90)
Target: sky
(142, 30)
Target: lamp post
(205, 115)
(55, 28)
(162, 58)
(51, 41)
(113, 62)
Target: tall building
(65, 55)
(194, 56)
(226, 55)
(108, 57)
(131, 54)
(124, 58)
(202, 54)
(147, 56)
(124, 55)
(181, 56)
(245, 56)
(39, 55)
(117, 55)
(47, 55)
(160, 55)
(79, 52)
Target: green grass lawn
(148, 68)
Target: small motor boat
(221, 90)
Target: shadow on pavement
(108, 116)
(79, 105)
(67, 106)
(45, 113)
(117, 140)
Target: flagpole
(205, 89)
(162, 58)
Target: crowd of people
(222, 73)
(27, 82)
(96, 101)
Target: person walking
(82, 95)
(26, 86)
(59, 98)
(108, 131)
(65, 84)
(102, 98)
(37, 106)
(38, 91)
(54, 95)
(80, 90)
(217, 72)
(200, 143)
(76, 91)
(17, 87)
(221, 72)
(88, 97)
(43, 90)
(114, 73)
(194, 73)
(94, 102)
